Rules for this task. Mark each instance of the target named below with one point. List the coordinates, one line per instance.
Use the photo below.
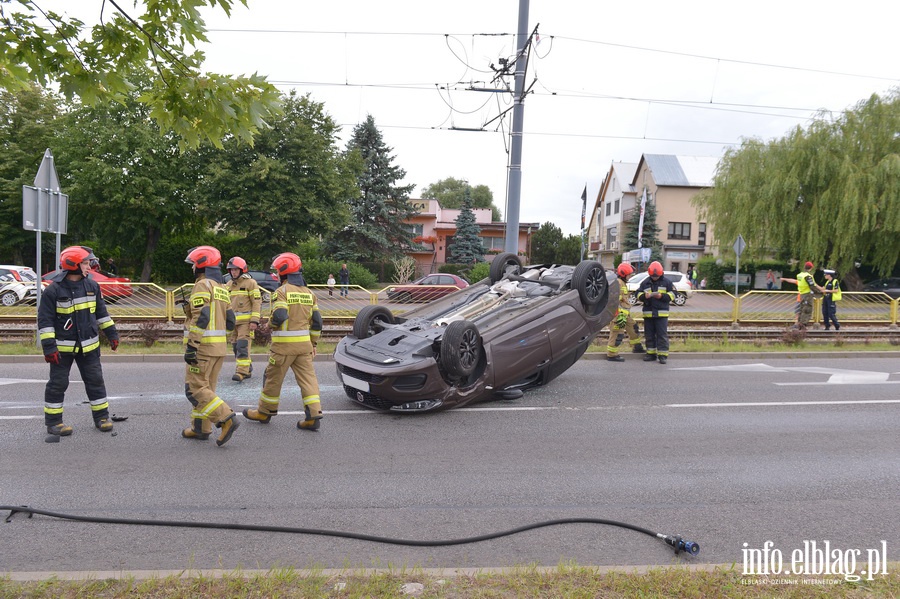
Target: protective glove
(621, 320)
(114, 344)
(52, 358)
(190, 355)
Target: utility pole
(514, 190)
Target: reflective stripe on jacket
(206, 329)
(246, 299)
(656, 307)
(296, 322)
(71, 316)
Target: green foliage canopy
(451, 193)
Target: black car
(266, 280)
(519, 328)
(890, 286)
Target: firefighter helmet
(72, 257)
(237, 262)
(286, 264)
(655, 269)
(203, 256)
(625, 270)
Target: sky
(610, 80)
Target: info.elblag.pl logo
(816, 559)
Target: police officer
(623, 323)
(656, 292)
(246, 300)
(296, 325)
(71, 315)
(209, 318)
(832, 291)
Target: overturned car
(519, 328)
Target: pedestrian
(832, 292)
(344, 277)
(71, 315)
(695, 276)
(246, 300)
(111, 267)
(770, 280)
(209, 318)
(623, 324)
(330, 285)
(805, 286)
(296, 325)
(656, 292)
(703, 283)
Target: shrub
(150, 332)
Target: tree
(379, 207)
(569, 251)
(289, 187)
(129, 185)
(451, 193)
(94, 64)
(28, 119)
(545, 242)
(467, 247)
(651, 232)
(829, 194)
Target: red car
(113, 288)
(427, 288)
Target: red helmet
(286, 264)
(625, 270)
(237, 262)
(655, 269)
(203, 256)
(72, 257)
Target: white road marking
(836, 376)
(779, 403)
(22, 381)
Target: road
(722, 451)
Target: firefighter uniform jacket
(296, 323)
(210, 317)
(246, 299)
(71, 316)
(656, 307)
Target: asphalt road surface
(725, 452)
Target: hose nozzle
(680, 545)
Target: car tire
(265, 296)
(589, 279)
(680, 298)
(9, 298)
(371, 320)
(503, 264)
(460, 348)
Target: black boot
(638, 349)
(615, 359)
(650, 358)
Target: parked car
(17, 284)
(890, 286)
(427, 288)
(679, 280)
(520, 328)
(268, 281)
(113, 288)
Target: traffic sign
(739, 245)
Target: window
(415, 230)
(610, 236)
(679, 230)
(674, 278)
(608, 208)
(492, 243)
(616, 207)
(701, 234)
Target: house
(433, 229)
(669, 182)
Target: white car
(17, 283)
(679, 281)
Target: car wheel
(371, 320)
(589, 279)
(265, 296)
(460, 348)
(680, 298)
(9, 298)
(503, 264)
(632, 298)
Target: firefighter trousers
(656, 335)
(92, 375)
(200, 389)
(616, 336)
(304, 373)
(241, 339)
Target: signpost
(45, 209)
(739, 246)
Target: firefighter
(210, 317)
(71, 315)
(624, 324)
(656, 292)
(246, 300)
(296, 325)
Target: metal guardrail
(149, 302)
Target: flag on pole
(641, 221)
(583, 211)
